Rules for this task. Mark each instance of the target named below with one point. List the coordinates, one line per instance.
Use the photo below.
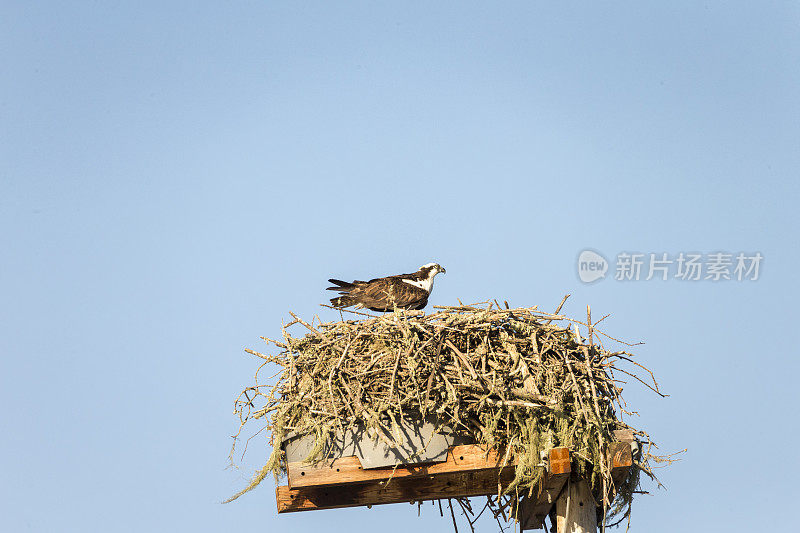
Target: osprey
(404, 291)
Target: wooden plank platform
(466, 458)
(448, 485)
(468, 471)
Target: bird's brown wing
(383, 294)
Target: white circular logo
(591, 266)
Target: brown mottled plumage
(404, 291)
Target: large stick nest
(519, 380)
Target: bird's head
(431, 269)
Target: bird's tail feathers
(341, 285)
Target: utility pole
(575, 509)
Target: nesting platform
(466, 401)
(467, 471)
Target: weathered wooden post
(575, 509)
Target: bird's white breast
(425, 284)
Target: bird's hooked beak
(442, 270)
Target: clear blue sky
(175, 177)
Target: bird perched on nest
(404, 291)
